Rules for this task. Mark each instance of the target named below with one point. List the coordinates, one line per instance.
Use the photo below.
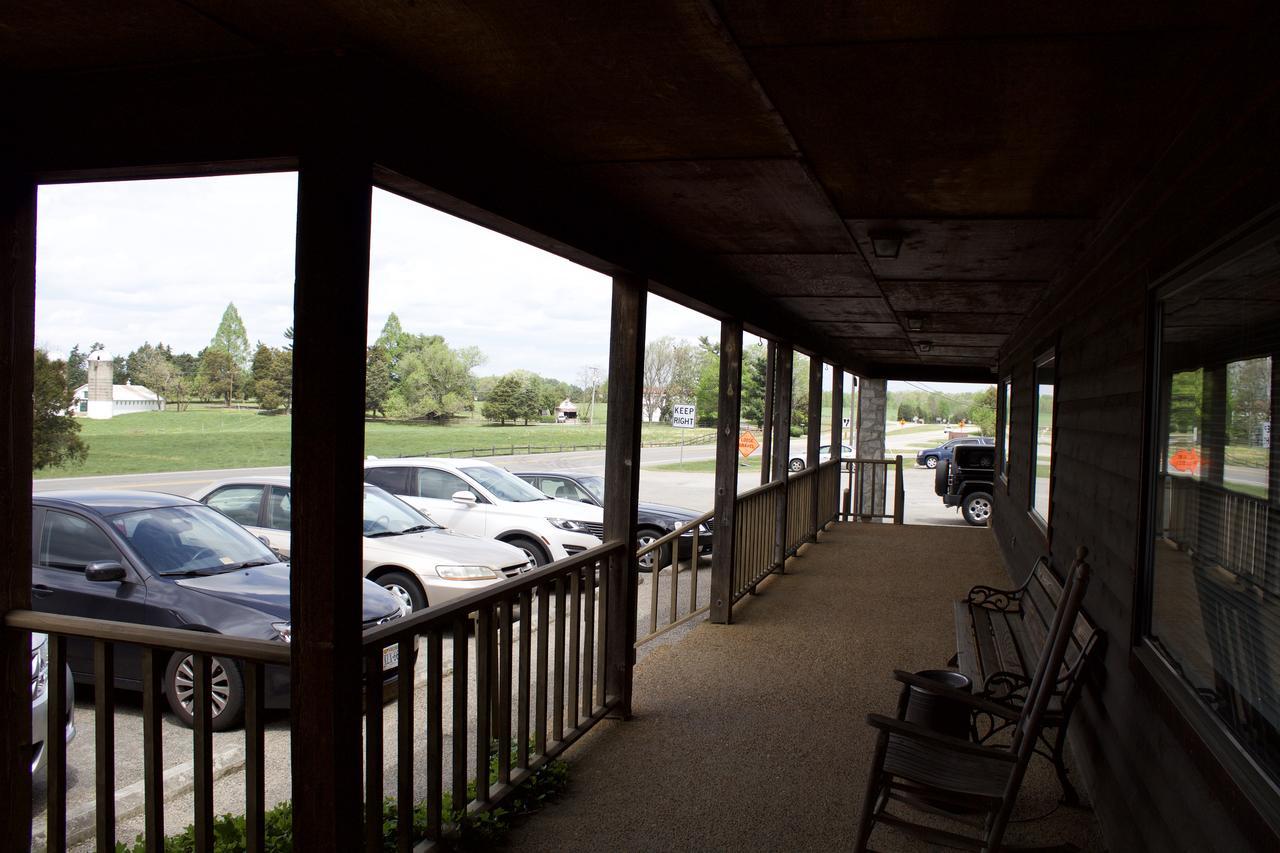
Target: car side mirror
(104, 570)
(265, 541)
(464, 497)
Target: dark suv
(966, 481)
(935, 456)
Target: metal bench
(1000, 634)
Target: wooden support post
(622, 483)
(815, 438)
(330, 327)
(766, 449)
(17, 342)
(781, 449)
(837, 413)
(727, 425)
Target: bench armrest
(994, 599)
(977, 703)
(938, 739)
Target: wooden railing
(157, 645)
(528, 708)
(1231, 528)
(801, 511)
(665, 580)
(754, 525)
(866, 485)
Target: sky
(148, 261)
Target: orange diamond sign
(747, 443)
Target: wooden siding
(1152, 781)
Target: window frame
(1259, 788)
(1004, 403)
(1044, 523)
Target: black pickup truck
(966, 481)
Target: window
(1006, 400)
(1214, 583)
(559, 487)
(393, 479)
(439, 484)
(239, 503)
(70, 542)
(1042, 438)
(278, 508)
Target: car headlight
(466, 573)
(284, 631)
(39, 670)
(569, 524)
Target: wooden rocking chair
(963, 781)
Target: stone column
(872, 398)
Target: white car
(40, 702)
(482, 499)
(405, 552)
(797, 463)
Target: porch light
(915, 323)
(886, 244)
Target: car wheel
(796, 464)
(405, 588)
(226, 687)
(532, 551)
(977, 508)
(940, 479)
(931, 462)
(647, 536)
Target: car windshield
(504, 485)
(190, 540)
(386, 515)
(594, 485)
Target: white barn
(99, 398)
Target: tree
(590, 377)
(659, 363)
(390, 341)
(755, 362)
(501, 405)
(218, 373)
(273, 376)
(708, 397)
(982, 412)
(77, 374)
(527, 400)
(231, 338)
(153, 368)
(377, 380)
(435, 381)
(55, 435)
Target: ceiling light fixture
(915, 323)
(885, 243)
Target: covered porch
(753, 736)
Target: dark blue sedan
(942, 453)
(162, 560)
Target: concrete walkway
(753, 736)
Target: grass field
(210, 438)
(706, 466)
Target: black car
(654, 520)
(168, 561)
(966, 481)
(932, 457)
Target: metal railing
(1229, 527)
(865, 495)
(157, 645)
(665, 578)
(754, 519)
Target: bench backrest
(1041, 598)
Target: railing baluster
(601, 571)
(255, 778)
(461, 684)
(504, 693)
(693, 575)
(202, 746)
(522, 700)
(588, 639)
(56, 744)
(404, 741)
(373, 755)
(484, 701)
(153, 748)
(105, 742)
(575, 641)
(557, 698)
(540, 702)
(653, 592)
(674, 580)
(435, 733)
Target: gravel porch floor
(753, 736)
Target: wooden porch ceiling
(741, 153)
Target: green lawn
(210, 438)
(706, 466)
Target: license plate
(390, 657)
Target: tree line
(976, 407)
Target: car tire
(977, 508)
(931, 462)
(227, 688)
(940, 479)
(647, 536)
(796, 464)
(405, 588)
(530, 548)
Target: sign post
(684, 417)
